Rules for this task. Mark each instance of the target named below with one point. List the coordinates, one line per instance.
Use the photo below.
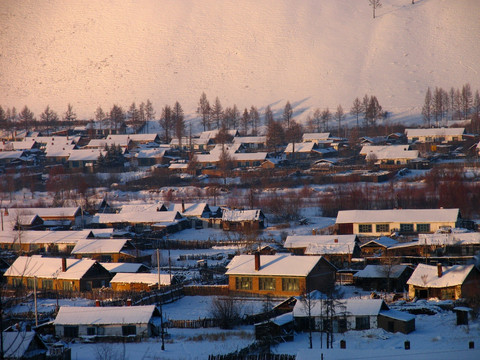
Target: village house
(138, 281)
(352, 314)
(58, 274)
(338, 249)
(252, 143)
(51, 215)
(403, 221)
(85, 159)
(106, 250)
(11, 157)
(316, 138)
(450, 243)
(306, 150)
(389, 155)
(377, 247)
(233, 220)
(108, 322)
(129, 268)
(385, 277)
(279, 275)
(444, 282)
(435, 135)
(150, 157)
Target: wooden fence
(206, 290)
(267, 356)
(192, 324)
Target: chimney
(257, 261)
(64, 264)
(97, 303)
(183, 206)
(335, 241)
(439, 270)
(129, 302)
(314, 232)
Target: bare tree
(356, 109)
(268, 115)
(69, 115)
(326, 116)
(49, 117)
(179, 122)
(245, 120)
(226, 310)
(117, 116)
(466, 100)
(317, 119)
(254, 119)
(26, 117)
(203, 110)
(339, 116)
(216, 113)
(166, 123)
(287, 115)
(427, 108)
(375, 4)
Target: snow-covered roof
(353, 307)
(16, 344)
(315, 136)
(241, 215)
(427, 276)
(11, 155)
(122, 267)
(85, 154)
(16, 145)
(213, 133)
(250, 139)
(280, 264)
(59, 150)
(108, 315)
(150, 153)
(303, 241)
(398, 215)
(391, 152)
(44, 237)
(434, 132)
(43, 267)
(398, 315)
(191, 209)
(452, 239)
(381, 271)
(101, 246)
(46, 213)
(384, 241)
(301, 147)
(126, 138)
(138, 217)
(149, 279)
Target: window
(70, 331)
(47, 284)
(243, 283)
(406, 228)
(448, 294)
(30, 283)
(266, 283)
(365, 228)
(129, 330)
(91, 331)
(423, 228)
(17, 283)
(68, 285)
(362, 322)
(382, 228)
(290, 284)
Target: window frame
(426, 230)
(363, 227)
(411, 228)
(378, 228)
(290, 284)
(267, 284)
(243, 283)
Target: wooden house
(106, 250)
(338, 249)
(251, 142)
(377, 247)
(56, 274)
(389, 154)
(23, 345)
(243, 219)
(129, 268)
(349, 314)
(450, 243)
(444, 282)
(396, 321)
(403, 221)
(138, 281)
(73, 215)
(278, 329)
(84, 159)
(435, 135)
(279, 275)
(385, 277)
(108, 322)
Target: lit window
(243, 283)
(290, 284)
(423, 228)
(382, 228)
(266, 283)
(365, 228)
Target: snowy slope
(312, 53)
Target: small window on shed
(362, 322)
(70, 331)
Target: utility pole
(161, 309)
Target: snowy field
(312, 53)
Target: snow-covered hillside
(312, 53)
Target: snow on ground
(47, 305)
(249, 53)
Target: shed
(396, 321)
(278, 329)
(23, 345)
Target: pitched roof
(280, 264)
(427, 276)
(85, 154)
(435, 132)
(122, 267)
(241, 215)
(49, 212)
(138, 217)
(44, 237)
(108, 315)
(315, 136)
(455, 239)
(101, 246)
(398, 215)
(384, 241)
(354, 307)
(43, 267)
(150, 279)
(381, 271)
(16, 344)
(303, 241)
